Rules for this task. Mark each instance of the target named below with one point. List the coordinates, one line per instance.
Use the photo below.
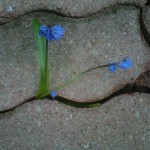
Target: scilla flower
(124, 64)
(53, 94)
(51, 33)
(112, 67)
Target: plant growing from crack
(43, 34)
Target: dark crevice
(148, 3)
(20, 104)
(145, 33)
(32, 12)
(65, 15)
(128, 89)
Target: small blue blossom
(126, 63)
(58, 32)
(112, 67)
(53, 94)
(52, 33)
(43, 31)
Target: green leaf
(81, 105)
(42, 57)
(77, 104)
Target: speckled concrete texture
(98, 32)
(123, 123)
(18, 66)
(10, 9)
(104, 38)
(108, 37)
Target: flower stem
(72, 80)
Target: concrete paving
(10, 9)
(94, 36)
(105, 38)
(123, 123)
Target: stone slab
(104, 38)
(122, 123)
(18, 66)
(10, 9)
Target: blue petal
(112, 67)
(58, 32)
(50, 35)
(54, 33)
(57, 36)
(53, 93)
(43, 31)
(58, 28)
(126, 63)
(43, 28)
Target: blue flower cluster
(52, 33)
(126, 63)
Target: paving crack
(127, 89)
(66, 15)
(144, 31)
(16, 106)
(147, 3)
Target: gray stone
(70, 8)
(113, 34)
(123, 123)
(104, 38)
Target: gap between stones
(143, 28)
(127, 89)
(68, 16)
(147, 3)
(144, 31)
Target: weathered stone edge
(8, 17)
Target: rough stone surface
(123, 123)
(10, 9)
(18, 66)
(146, 17)
(108, 37)
(104, 38)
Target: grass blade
(42, 56)
(77, 77)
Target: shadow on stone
(143, 28)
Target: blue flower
(126, 63)
(53, 94)
(112, 67)
(52, 33)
